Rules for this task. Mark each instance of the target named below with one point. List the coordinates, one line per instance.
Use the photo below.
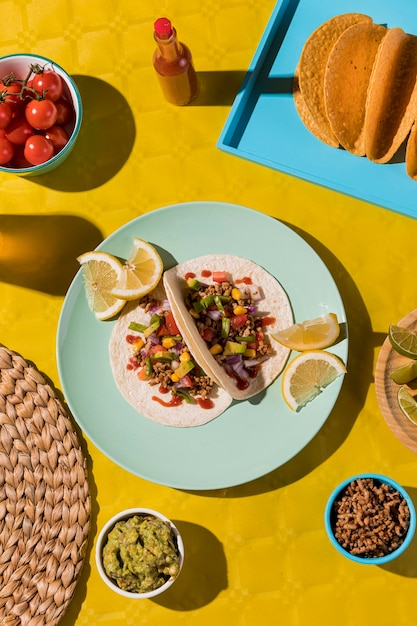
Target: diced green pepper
(148, 366)
(225, 327)
(183, 395)
(246, 339)
(140, 328)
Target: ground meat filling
(202, 384)
(370, 519)
(252, 325)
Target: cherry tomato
(41, 114)
(49, 82)
(57, 136)
(5, 114)
(12, 93)
(38, 149)
(18, 130)
(65, 111)
(6, 150)
(19, 161)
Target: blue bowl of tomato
(40, 114)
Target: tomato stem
(25, 91)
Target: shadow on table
(406, 564)
(40, 251)
(219, 88)
(335, 430)
(204, 573)
(104, 143)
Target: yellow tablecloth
(256, 553)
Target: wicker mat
(44, 498)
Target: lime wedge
(403, 340)
(404, 374)
(408, 404)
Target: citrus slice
(101, 272)
(405, 373)
(314, 334)
(140, 273)
(403, 340)
(307, 375)
(408, 404)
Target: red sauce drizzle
(132, 338)
(205, 403)
(206, 273)
(189, 275)
(246, 280)
(175, 401)
(267, 321)
(163, 389)
(241, 383)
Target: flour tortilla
(275, 304)
(139, 393)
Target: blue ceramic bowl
(19, 65)
(329, 520)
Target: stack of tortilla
(355, 87)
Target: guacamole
(141, 554)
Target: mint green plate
(251, 438)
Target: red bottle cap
(163, 28)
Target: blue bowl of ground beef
(370, 519)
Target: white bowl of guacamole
(139, 553)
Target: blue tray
(263, 125)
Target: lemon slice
(101, 272)
(403, 340)
(141, 272)
(314, 334)
(307, 375)
(405, 373)
(408, 404)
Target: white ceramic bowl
(101, 541)
(19, 64)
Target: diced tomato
(171, 324)
(237, 321)
(142, 374)
(219, 277)
(156, 348)
(260, 335)
(208, 335)
(186, 382)
(163, 331)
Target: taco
(154, 369)
(225, 306)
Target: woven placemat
(44, 498)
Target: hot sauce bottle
(173, 64)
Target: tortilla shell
(392, 97)
(274, 304)
(139, 393)
(411, 153)
(312, 67)
(346, 82)
(306, 117)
